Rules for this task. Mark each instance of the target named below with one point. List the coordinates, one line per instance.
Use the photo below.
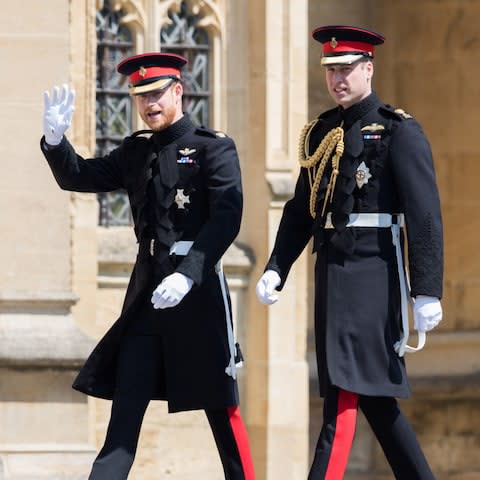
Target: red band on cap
(144, 73)
(334, 46)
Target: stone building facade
(64, 274)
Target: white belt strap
(182, 248)
(378, 220)
(394, 222)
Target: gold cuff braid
(316, 163)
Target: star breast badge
(181, 199)
(362, 175)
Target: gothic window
(113, 104)
(185, 37)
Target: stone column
(277, 394)
(43, 422)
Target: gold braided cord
(316, 163)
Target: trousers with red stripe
(390, 426)
(128, 408)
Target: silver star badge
(362, 175)
(181, 199)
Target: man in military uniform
(366, 171)
(173, 340)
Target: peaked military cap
(151, 71)
(343, 44)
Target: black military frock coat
(204, 166)
(357, 296)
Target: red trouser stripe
(344, 432)
(241, 437)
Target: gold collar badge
(403, 113)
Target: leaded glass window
(113, 104)
(184, 37)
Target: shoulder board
(328, 113)
(133, 140)
(208, 132)
(140, 132)
(396, 113)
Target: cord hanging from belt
(316, 163)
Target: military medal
(181, 199)
(370, 132)
(186, 152)
(362, 175)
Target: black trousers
(390, 426)
(139, 368)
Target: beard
(162, 120)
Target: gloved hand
(57, 115)
(267, 284)
(171, 290)
(427, 313)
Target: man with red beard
(366, 171)
(174, 339)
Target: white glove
(171, 290)
(427, 313)
(267, 284)
(57, 115)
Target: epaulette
(397, 113)
(132, 140)
(208, 132)
(328, 113)
(140, 132)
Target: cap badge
(142, 71)
(181, 199)
(362, 175)
(333, 42)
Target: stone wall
(41, 345)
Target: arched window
(184, 36)
(113, 103)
